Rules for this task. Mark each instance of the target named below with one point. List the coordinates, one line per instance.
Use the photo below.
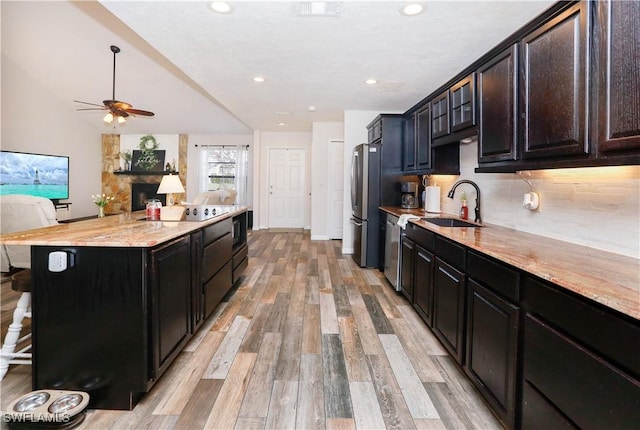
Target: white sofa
(218, 197)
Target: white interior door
(286, 188)
(335, 189)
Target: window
(226, 167)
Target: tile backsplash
(596, 207)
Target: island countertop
(610, 279)
(129, 229)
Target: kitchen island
(115, 299)
(547, 331)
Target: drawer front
(492, 274)
(421, 236)
(216, 288)
(590, 392)
(240, 255)
(216, 255)
(450, 252)
(239, 269)
(217, 230)
(599, 329)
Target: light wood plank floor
(308, 340)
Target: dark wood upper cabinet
(440, 115)
(463, 104)
(497, 107)
(409, 143)
(553, 70)
(423, 137)
(616, 53)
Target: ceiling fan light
(121, 120)
(108, 118)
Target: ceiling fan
(116, 109)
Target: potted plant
(126, 156)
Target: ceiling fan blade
(87, 103)
(96, 108)
(140, 112)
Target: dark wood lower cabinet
(448, 312)
(492, 342)
(407, 267)
(423, 284)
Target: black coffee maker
(409, 199)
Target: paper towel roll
(432, 202)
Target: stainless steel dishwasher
(392, 251)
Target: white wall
(595, 207)
(35, 121)
(263, 142)
(322, 133)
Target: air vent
(319, 8)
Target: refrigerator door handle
(354, 191)
(356, 223)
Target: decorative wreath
(144, 143)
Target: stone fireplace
(121, 184)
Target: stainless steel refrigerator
(365, 199)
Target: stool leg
(13, 333)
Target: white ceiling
(194, 68)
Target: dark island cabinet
(197, 314)
(170, 302)
(497, 107)
(617, 78)
(448, 308)
(553, 64)
(463, 104)
(581, 362)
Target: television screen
(34, 174)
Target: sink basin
(450, 222)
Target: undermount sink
(450, 222)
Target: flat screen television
(34, 174)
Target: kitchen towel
(403, 219)
(432, 201)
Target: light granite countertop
(125, 230)
(604, 277)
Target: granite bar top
(125, 230)
(610, 279)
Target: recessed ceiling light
(412, 9)
(221, 7)
(281, 124)
(311, 108)
(371, 81)
(258, 79)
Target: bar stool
(20, 282)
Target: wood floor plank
(337, 398)
(310, 414)
(258, 395)
(422, 331)
(341, 300)
(196, 411)
(312, 290)
(393, 408)
(328, 315)
(224, 412)
(368, 336)
(366, 411)
(252, 423)
(255, 332)
(417, 351)
(223, 358)
(311, 331)
(379, 319)
(278, 316)
(288, 366)
(324, 274)
(415, 395)
(341, 424)
(354, 356)
(283, 406)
